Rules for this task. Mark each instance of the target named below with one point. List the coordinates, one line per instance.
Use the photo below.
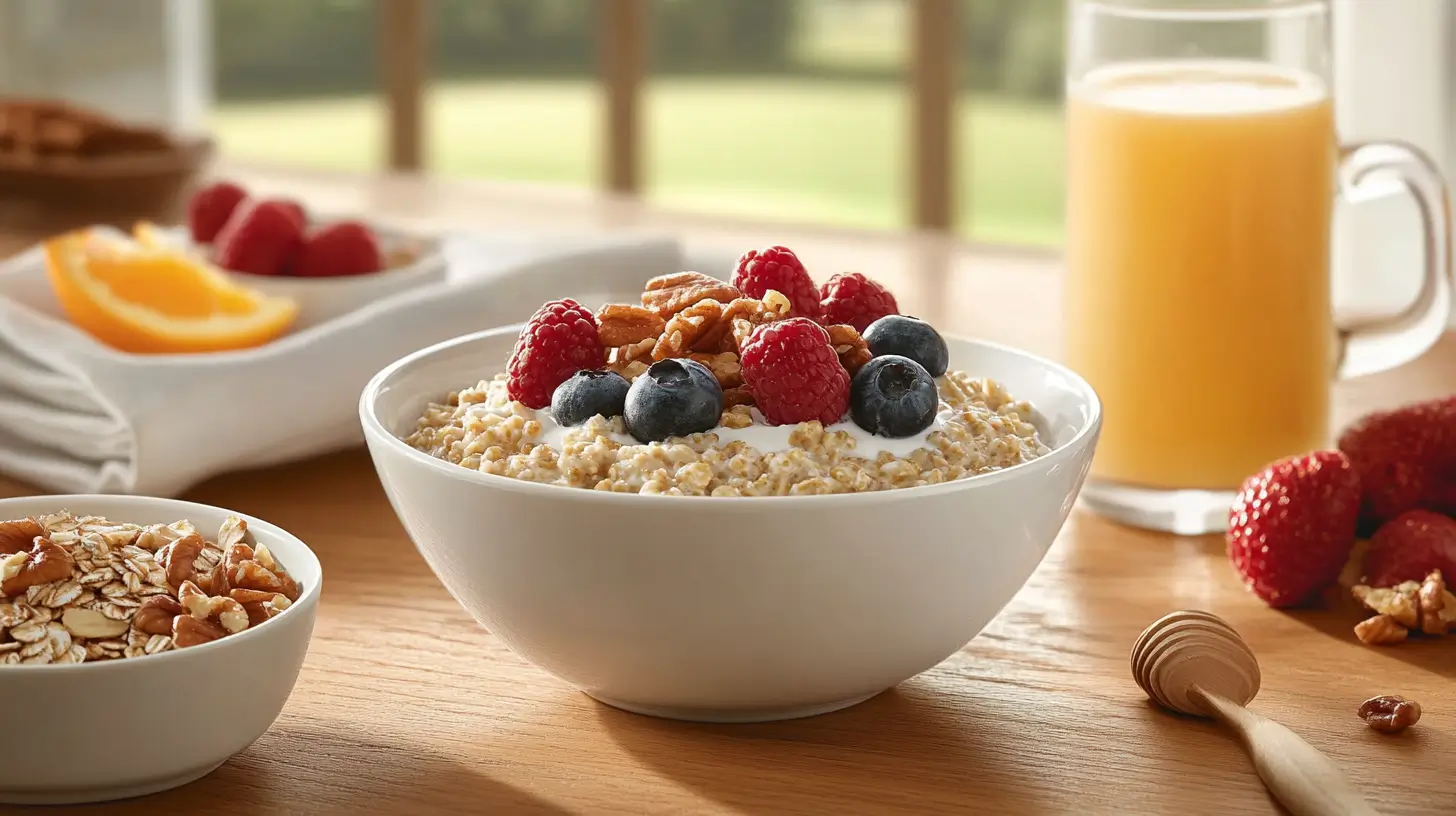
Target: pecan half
(737, 396)
(179, 557)
(690, 328)
(621, 324)
(725, 368)
(1381, 630)
(45, 562)
(669, 294)
(190, 631)
(19, 535)
(154, 616)
(1389, 714)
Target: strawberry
(1292, 526)
(1409, 546)
(209, 209)
(339, 249)
(262, 238)
(299, 213)
(1406, 459)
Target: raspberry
(855, 300)
(794, 374)
(1292, 527)
(340, 249)
(559, 340)
(261, 238)
(209, 209)
(779, 269)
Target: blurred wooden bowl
(65, 192)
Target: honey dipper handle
(1305, 781)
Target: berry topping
(1292, 527)
(908, 337)
(779, 269)
(893, 396)
(337, 250)
(1406, 459)
(209, 209)
(794, 374)
(589, 393)
(558, 341)
(1409, 547)
(261, 238)
(855, 300)
(674, 397)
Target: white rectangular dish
(78, 416)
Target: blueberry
(893, 396)
(673, 398)
(588, 393)
(908, 337)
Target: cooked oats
(980, 428)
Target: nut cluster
(1389, 714)
(1426, 606)
(83, 589)
(689, 314)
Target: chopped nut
(669, 294)
(1437, 605)
(631, 360)
(155, 615)
(233, 531)
(725, 368)
(734, 397)
(179, 558)
(46, 562)
(1390, 715)
(19, 535)
(1381, 630)
(620, 324)
(1398, 602)
(227, 612)
(698, 325)
(189, 631)
(852, 349)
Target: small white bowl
(94, 732)
(323, 299)
(730, 609)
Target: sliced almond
(88, 623)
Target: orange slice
(152, 300)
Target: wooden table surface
(407, 706)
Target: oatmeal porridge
(767, 386)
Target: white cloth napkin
(78, 416)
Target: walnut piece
(1389, 714)
(725, 368)
(669, 294)
(226, 612)
(852, 349)
(189, 631)
(1381, 630)
(1399, 602)
(1437, 605)
(740, 396)
(620, 324)
(19, 535)
(631, 360)
(179, 559)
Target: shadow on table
(905, 750)
(1433, 654)
(302, 769)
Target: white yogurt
(766, 438)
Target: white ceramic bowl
(730, 609)
(94, 732)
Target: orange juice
(1198, 291)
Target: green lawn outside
(803, 149)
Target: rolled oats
(88, 589)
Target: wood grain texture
(407, 706)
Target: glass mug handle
(1389, 342)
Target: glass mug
(1203, 170)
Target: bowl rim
(375, 431)
(309, 597)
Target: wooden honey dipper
(1195, 663)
